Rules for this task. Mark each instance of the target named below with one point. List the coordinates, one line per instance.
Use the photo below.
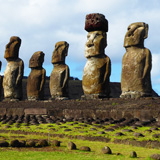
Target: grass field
(48, 132)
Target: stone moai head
(136, 34)
(12, 48)
(60, 52)
(36, 60)
(96, 25)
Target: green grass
(14, 155)
(84, 130)
(47, 131)
(60, 153)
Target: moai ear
(146, 27)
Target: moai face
(96, 43)
(60, 52)
(12, 48)
(36, 60)
(136, 34)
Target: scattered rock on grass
(22, 143)
(109, 130)
(127, 130)
(106, 150)
(71, 146)
(42, 143)
(56, 143)
(31, 143)
(155, 156)
(85, 148)
(133, 154)
(119, 134)
(156, 135)
(154, 128)
(4, 144)
(15, 143)
(101, 132)
(138, 135)
(67, 130)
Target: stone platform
(116, 108)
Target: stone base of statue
(58, 98)
(10, 100)
(33, 98)
(93, 96)
(134, 95)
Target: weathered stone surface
(42, 143)
(12, 82)
(95, 22)
(36, 79)
(133, 154)
(15, 143)
(33, 111)
(71, 146)
(155, 156)
(56, 143)
(85, 148)
(106, 150)
(60, 74)
(136, 63)
(4, 143)
(96, 73)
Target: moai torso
(96, 76)
(97, 70)
(13, 75)
(60, 73)
(59, 80)
(136, 63)
(36, 78)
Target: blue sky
(42, 23)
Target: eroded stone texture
(36, 79)
(96, 73)
(136, 63)
(12, 82)
(96, 22)
(60, 74)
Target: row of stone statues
(136, 66)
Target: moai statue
(36, 79)
(60, 74)
(136, 63)
(13, 75)
(96, 73)
(0, 80)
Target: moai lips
(60, 74)
(13, 75)
(136, 63)
(36, 78)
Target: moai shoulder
(136, 63)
